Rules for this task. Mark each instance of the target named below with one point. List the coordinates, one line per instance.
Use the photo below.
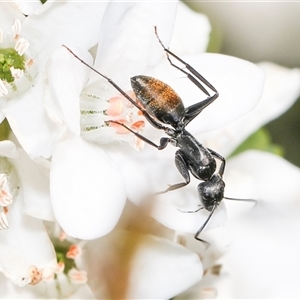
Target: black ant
(161, 105)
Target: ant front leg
(221, 158)
(183, 168)
(203, 226)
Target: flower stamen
(34, 275)
(77, 277)
(5, 196)
(3, 88)
(21, 46)
(74, 252)
(3, 220)
(16, 29)
(17, 68)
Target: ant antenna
(239, 199)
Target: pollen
(5, 196)
(74, 252)
(17, 67)
(77, 277)
(10, 60)
(35, 275)
(102, 113)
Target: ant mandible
(161, 105)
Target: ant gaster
(161, 106)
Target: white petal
(264, 253)
(282, 88)
(263, 176)
(41, 31)
(67, 77)
(34, 186)
(127, 44)
(8, 149)
(141, 170)
(24, 244)
(8, 13)
(28, 119)
(28, 8)
(191, 32)
(239, 83)
(86, 188)
(157, 269)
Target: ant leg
(190, 68)
(182, 167)
(110, 81)
(192, 111)
(204, 224)
(163, 141)
(221, 158)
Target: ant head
(211, 192)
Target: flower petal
(264, 175)
(23, 114)
(28, 8)
(67, 77)
(24, 244)
(135, 266)
(281, 90)
(41, 31)
(127, 44)
(8, 13)
(8, 149)
(191, 32)
(86, 189)
(34, 186)
(264, 253)
(239, 83)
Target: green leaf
(260, 140)
(4, 130)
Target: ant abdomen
(159, 99)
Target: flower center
(17, 68)
(99, 112)
(8, 190)
(10, 63)
(66, 254)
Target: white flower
(87, 181)
(264, 242)
(26, 253)
(38, 35)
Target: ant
(161, 106)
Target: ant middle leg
(221, 158)
(164, 141)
